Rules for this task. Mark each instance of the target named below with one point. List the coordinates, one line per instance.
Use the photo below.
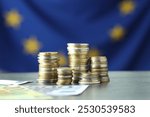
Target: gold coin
(95, 82)
(85, 83)
(47, 81)
(95, 70)
(104, 69)
(79, 59)
(64, 81)
(85, 79)
(48, 57)
(78, 45)
(103, 74)
(64, 77)
(64, 73)
(96, 78)
(75, 71)
(105, 79)
(78, 56)
(76, 74)
(74, 52)
(76, 64)
(88, 74)
(83, 69)
(47, 53)
(69, 48)
(98, 62)
(64, 69)
(98, 66)
(77, 67)
(95, 66)
(99, 59)
(75, 78)
(95, 74)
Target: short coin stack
(64, 76)
(89, 78)
(78, 58)
(48, 62)
(95, 78)
(85, 78)
(99, 66)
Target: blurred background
(118, 29)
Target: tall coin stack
(99, 68)
(78, 58)
(48, 64)
(64, 76)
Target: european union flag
(118, 29)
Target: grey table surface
(123, 85)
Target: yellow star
(117, 33)
(31, 45)
(62, 60)
(94, 52)
(13, 19)
(127, 6)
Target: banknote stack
(78, 59)
(48, 64)
(64, 76)
(99, 68)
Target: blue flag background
(118, 29)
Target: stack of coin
(48, 63)
(95, 78)
(76, 76)
(78, 58)
(89, 78)
(64, 76)
(99, 65)
(85, 78)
